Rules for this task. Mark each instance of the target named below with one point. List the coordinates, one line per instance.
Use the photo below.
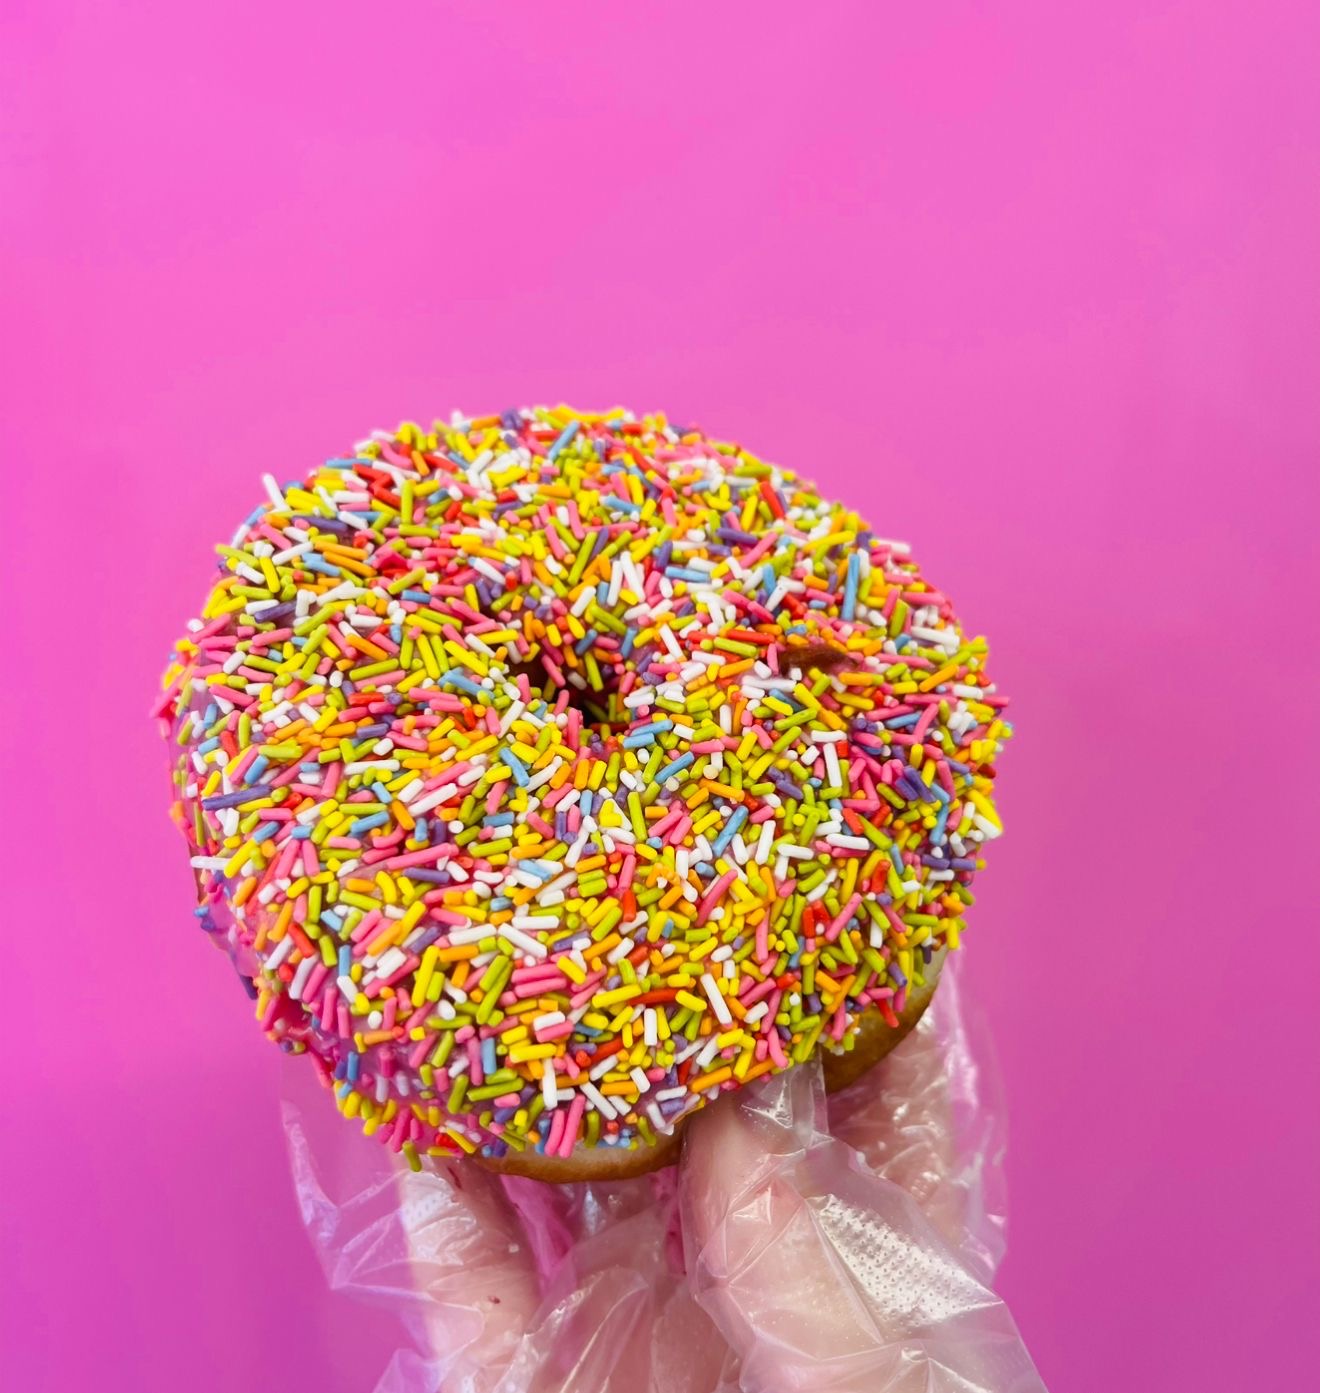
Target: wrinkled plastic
(800, 1244)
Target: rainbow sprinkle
(546, 774)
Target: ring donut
(547, 775)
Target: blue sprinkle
(645, 735)
(565, 439)
(730, 830)
(850, 586)
(516, 767)
(674, 767)
(464, 684)
(488, 1064)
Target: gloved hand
(799, 1245)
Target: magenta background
(1034, 285)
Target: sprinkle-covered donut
(547, 774)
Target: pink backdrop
(1035, 285)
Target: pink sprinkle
(924, 724)
(841, 921)
(714, 895)
(570, 1134)
(763, 939)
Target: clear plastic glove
(798, 1245)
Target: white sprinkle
(832, 766)
(523, 941)
(391, 960)
(658, 1119)
(708, 1052)
(717, 1001)
(273, 491)
(536, 921)
(942, 638)
(848, 843)
(282, 951)
(764, 841)
(599, 1101)
(469, 933)
(300, 978)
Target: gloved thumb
(821, 1274)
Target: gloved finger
(927, 1118)
(823, 1275)
(445, 1249)
(472, 1268)
(616, 1314)
(899, 1117)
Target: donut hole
(603, 711)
